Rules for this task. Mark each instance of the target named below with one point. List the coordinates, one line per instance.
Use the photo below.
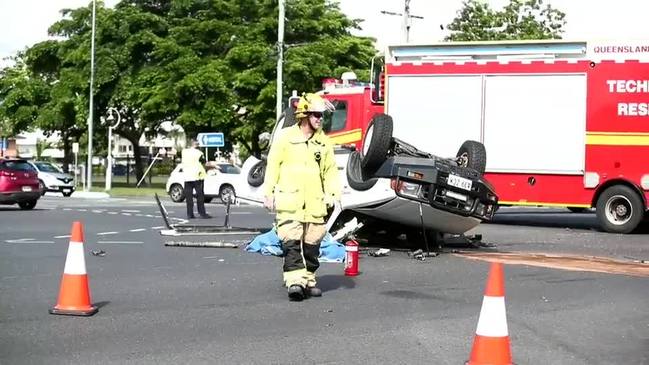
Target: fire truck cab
(564, 124)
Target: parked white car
(52, 178)
(219, 182)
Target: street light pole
(90, 113)
(280, 57)
(406, 17)
(109, 162)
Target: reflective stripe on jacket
(192, 167)
(302, 186)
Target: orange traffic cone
(74, 295)
(491, 343)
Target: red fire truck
(565, 124)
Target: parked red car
(18, 183)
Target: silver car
(52, 178)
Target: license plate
(27, 188)
(459, 182)
(66, 190)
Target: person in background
(194, 173)
(301, 182)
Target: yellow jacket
(192, 166)
(302, 186)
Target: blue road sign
(211, 139)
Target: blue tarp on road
(268, 244)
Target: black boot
(296, 293)
(314, 291)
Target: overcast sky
(25, 22)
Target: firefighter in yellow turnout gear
(301, 182)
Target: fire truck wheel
(376, 142)
(256, 173)
(619, 209)
(472, 154)
(355, 173)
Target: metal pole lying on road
(201, 244)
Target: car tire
(472, 154)
(355, 173)
(619, 209)
(42, 187)
(376, 142)
(256, 174)
(177, 193)
(27, 205)
(225, 192)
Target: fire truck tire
(619, 209)
(256, 173)
(376, 142)
(355, 173)
(472, 154)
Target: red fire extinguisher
(351, 258)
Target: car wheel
(376, 142)
(619, 209)
(355, 173)
(41, 187)
(256, 173)
(177, 193)
(30, 204)
(226, 193)
(473, 155)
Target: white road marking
(124, 242)
(158, 227)
(126, 214)
(106, 233)
(67, 209)
(137, 230)
(211, 257)
(65, 236)
(97, 211)
(113, 213)
(150, 215)
(82, 210)
(130, 210)
(27, 240)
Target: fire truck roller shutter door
(473, 155)
(376, 142)
(354, 173)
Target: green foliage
(208, 65)
(519, 20)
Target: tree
(519, 20)
(207, 65)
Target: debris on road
(100, 253)
(421, 254)
(380, 252)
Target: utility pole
(90, 114)
(406, 16)
(280, 57)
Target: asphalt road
(162, 305)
